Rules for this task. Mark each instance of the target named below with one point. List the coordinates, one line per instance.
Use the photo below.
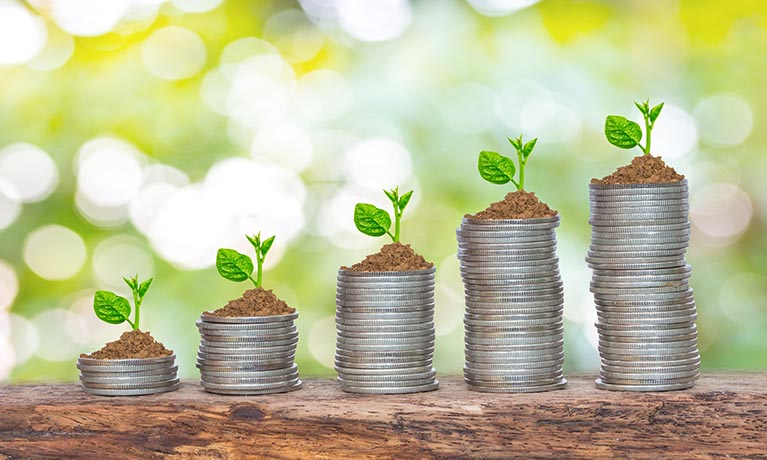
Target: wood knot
(247, 412)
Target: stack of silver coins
(514, 304)
(251, 355)
(645, 306)
(128, 377)
(385, 327)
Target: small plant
(236, 266)
(499, 169)
(114, 309)
(626, 134)
(374, 221)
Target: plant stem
(520, 158)
(137, 312)
(260, 262)
(254, 281)
(648, 130)
(397, 218)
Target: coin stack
(385, 326)
(128, 377)
(250, 355)
(645, 307)
(514, 304)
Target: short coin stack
(128, 377)
(645, 306)
(514, 305)
(250, 355)
(385, 326)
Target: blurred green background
(140, 135)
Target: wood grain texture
(724, 416)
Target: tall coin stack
(250, 355)
(514, 305)
(645, 306)
(385, 327)
(128, 377)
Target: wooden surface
(724, 416)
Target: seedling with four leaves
(236, 266)
(499, 169)
(114, 309)
(626, 134)
(374, 221)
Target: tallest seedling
(626, 134)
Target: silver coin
(517, 388)
(264, 364)
(510, 317)
(507, 248)
(639, 195)
(669, 310)
(248, 386)
(639, 221)
(513, 331)
(635, 320)
(661, 187)
(531, 277)
(599, 201)
(383, 364)
(383, 326)
(650, 381)
(468, 265)
(375, 330)
(600, 207)
(383, 372)
(669, 387)
(416, 317)
(638, 297)
(137, 370)
(471, 349)
(614, 353)
(473, 289)
(236, 366)
(390, 347)
(387, 274)
(512, 325)
(552, 369)
(509, 298)
(214, 335)
(510, 228)
(127, 379)
(649, 291)
(253, 381)
(495, 239)
(383, 341)
(246, 355)
(427, 305)
(249, 319)
(607, 329)
(673, 303)
(223, 329)
(252, 392)
(626, 249)
(639, 362)
(345, 353)
(227, 347)
(224, 341)
(100, 372)
(252, 373)
(662, 369)
(378, 284)
(136, 362)
(509, 340)
(430, 374)
(684, 276)
(547, 282)
(641, 375)
(640, 284)
(525, 359)
(469, 260)
(526, 305)
(512, 379)
(131, 386)
(419, 292)
(526, 222)
(132, 392)
(647, 339)
(374, 333)
(391, 390)
(517, 365)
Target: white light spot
(57, 51)
(742, 299)
(500, 7)
(196, 6)
(322, 95)
(470, 108)
(22, 34)
(448, 313)
(109, 172)
(10, 205)
(721, 212)
(214, 90)
(374, 21)
(261, 90)
(674, 134)
(296, 37)
(173, 53)
(88, 18)
(102, 216)
(98, 332)
(7, 357)
(132, 257)
(9, 285)
(242, 49)
(54, 252)
(56, 342)
(148, 203)
(551, 118)
(285, 145)
(321, 341)
(378, 163)
(24, 338)
(724, 120)
(30, 170)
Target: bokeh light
(54, 252)
(374, 21)
(173, 53)
(29, 170)
(724, 120)
(9, 285)
(22, 34)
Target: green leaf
(392, 195)
(404, 200)
(528, 148)
(655, 112)
(371, 220)
(255, 241)
(516, 143)
(622, 132)
(233, 265)
(266, 245)
(110, 307)
(131, 282)
(496, 168)
(642, 106)
(143, 287)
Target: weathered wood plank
(724, 416)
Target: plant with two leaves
(236, 266)
(498, 169)
(626, 134)
(374, 221)
(114, 309)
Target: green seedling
(626, 134)
(499, 169)
(236, 266)
(114, 309)
(374, 221)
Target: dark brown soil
(644, 169)
(517, 205)
(254, 302)
(131, 345)
(394, 257)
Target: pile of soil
(131, 345)
(516, 205)
(644, 169)
(254, 302)
(394, 257)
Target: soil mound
(254, 302)
(131, 345)
(394, 257)
(644, 169)
(517, 205)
